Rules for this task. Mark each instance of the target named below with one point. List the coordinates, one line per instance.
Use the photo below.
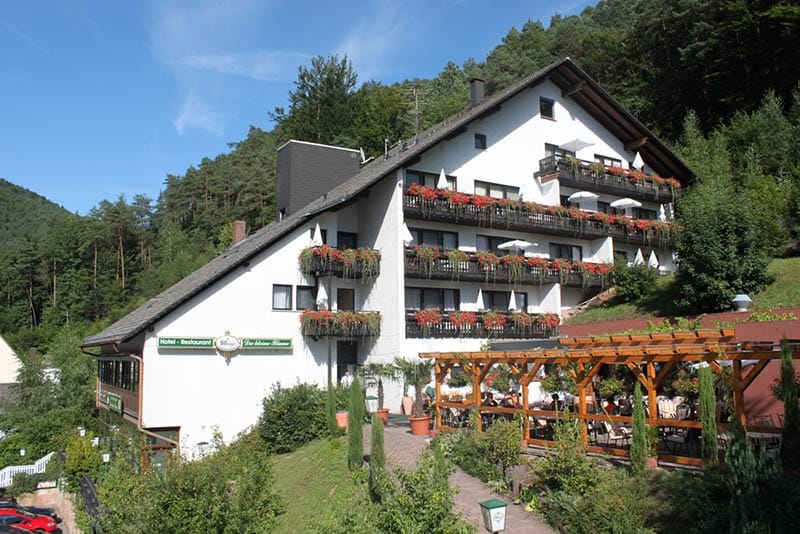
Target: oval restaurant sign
(227, 343)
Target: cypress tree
(330, 413)
(377, 455)
(790, 443)
(640, 444)
(708, 419)
(355, 423)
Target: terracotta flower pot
(341, 420)
(420, 426)
(407, 403)
(383, 415)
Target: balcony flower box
(342, 323)
(347, 263)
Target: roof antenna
(364, 160)
(386, 147)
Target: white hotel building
(545, 162)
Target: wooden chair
(679, 437)
(616, 434)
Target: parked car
(37, 510)
(27, 521)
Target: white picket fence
(7, 473)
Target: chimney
(239, 231)
(476, 91)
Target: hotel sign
(114, 402)
(266, 343)
(186, 342)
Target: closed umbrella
(638, 162)
(480, 304)
(408, 237)
(442, 182)
(652, 260)
(316, 236)
(322, 297)
(662, 213)
(526, 192)
(512, 301)
(639, 259)
(623, 203)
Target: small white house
(487, 226)
(9, 367)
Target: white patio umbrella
(652, 260)
(512, 301)
(516, 245)
(526, 192)
(479, 303)
(626, 202)
(316, 236)
(638, 162)
(408, 237)
(322, 297)
(582, 195)
(442, 182)
(575, 145)
(639, 259)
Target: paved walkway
(403, 449)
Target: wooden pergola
(650, 357)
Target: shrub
(633, 282)
(566, 466)
(293, 417)
(355, 424)
(640, 447)
(330, 413)
(484, 455)
(708, 417)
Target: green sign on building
(114, 402)
(266, 343)
(186, 342)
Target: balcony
(340, 324)
(363, 263)
(479, 325)
(426, 203)
(118, 400)
(435, 264)
(612, 180)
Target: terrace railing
(7, 473)
(471, 270)
(612, 180)
(484, 327)
(524, 220)
(340, 324)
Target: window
(608, 161)
(566, 252)
(122, 374)
(281, 297)
(305, 298)
(546, 106)
(489, 243)
(496, 300)
(346, 240)
(428, 179)
(559, 153)
(605, 207)
(644, 213)
(480, 140)
(420, 298)
(496, 190)
(434, 238)
(345, 299)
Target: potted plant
(417, 373)
(373, 375)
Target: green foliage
(633, 282)
(82, 458)
(355, 424)
(229, 491)
(566, 467)
(784, 291)
(708, 418)
(790, 444)
(330, 412)
(415, 372)
(640, 444)
(292, 417)
(377, 454)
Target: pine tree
(355, 422)
(708, 418)
(640, 444)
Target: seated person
(610, 407)
(488, 399)
(511, 400)
(555, 404)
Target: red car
(27, 521)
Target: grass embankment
(783, 292)
(314, 484)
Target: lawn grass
(610, 312)
(784, 292)
(314, 484)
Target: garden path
(403, 449)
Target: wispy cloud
(260, 65)
(198, 114)
(374, 38)
(26, 38)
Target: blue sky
(101, 98)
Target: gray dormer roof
(573, 82)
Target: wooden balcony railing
(342, 323)
(110, 398)
(467, 267)
(343, 263)
(498, 325)
(533, 218)
(612, 180)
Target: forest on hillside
(715, 79)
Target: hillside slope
(23, 212)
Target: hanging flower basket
(457, 259)
(493, 322)
(463, 321)
(427, 320)
(516, 268)
(487, 263)
(427, 257)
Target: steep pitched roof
(573, 82)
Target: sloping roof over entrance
(574, 83)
